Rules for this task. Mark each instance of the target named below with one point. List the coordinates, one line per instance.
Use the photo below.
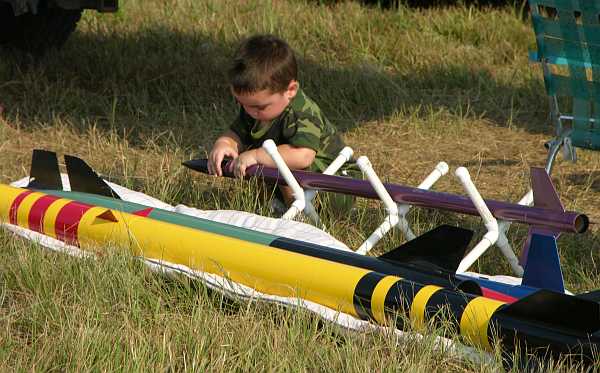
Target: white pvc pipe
(403, 224)
(503, 243)
(309, 210)
(440, 170)
(488, 219)
(365, 165)
(378, 234)
(297, 191)
(391, 219)
(344, 156)
(506, 249)
(527, 199)
(297, 206)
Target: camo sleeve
(305, 132)
(241, 126)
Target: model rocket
(547, 211)
(386, 290)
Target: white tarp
(285, 228)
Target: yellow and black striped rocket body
(365, 287)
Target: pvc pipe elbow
(442, 168)
(463, 174)
(347, 153)
(299, 203)
(492, 227)
(392, 210)
(491, 236)
(363, 162)
(296, 207)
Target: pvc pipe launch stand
(396, 213)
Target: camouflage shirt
(301, 124)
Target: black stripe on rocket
(363, 293)
(447, 308)
(398, 300)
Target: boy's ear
(292, 89)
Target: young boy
(264, 81)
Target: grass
(63, 314)
(137, 92)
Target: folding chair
(568, 47)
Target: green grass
(64, 314)
(137, 92)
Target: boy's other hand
(245, 160)
(216, 156)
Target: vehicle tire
(36, 33)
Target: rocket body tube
(562, 221)
(369, 290)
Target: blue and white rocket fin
(44, 173)
(84, 179)
(543, 269)
(443, 247)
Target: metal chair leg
(569, 150)
(552, 153)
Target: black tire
(36, 33)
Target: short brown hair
(262, 62)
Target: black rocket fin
(84, 179)
(558, 309)
(44, 172)
(443, 246)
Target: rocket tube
(567, 221)
(435, 276)
(545, 320)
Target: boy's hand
(245, 160)
(220, 150)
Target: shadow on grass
(158, 80)
(589, 179)
(182, 289)
(491, 162)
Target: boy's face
(265, 105)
